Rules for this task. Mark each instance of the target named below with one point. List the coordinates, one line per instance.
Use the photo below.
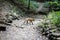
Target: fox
(29, 20)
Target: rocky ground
(24, 32)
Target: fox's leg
(31, 22)
(27, 21)
(24, 21)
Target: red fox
(27, 20)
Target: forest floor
(24, 32)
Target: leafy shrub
(55, 18)
(54, 5)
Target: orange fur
(29, 20)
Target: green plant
(33, 4)
(54, 5)
(55, 18)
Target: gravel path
(24, 32)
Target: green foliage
(46, 4)
(16, 11)
(44, 24)
(55, 18)
(54, 4)
(33, 4)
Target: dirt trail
(28, 32)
